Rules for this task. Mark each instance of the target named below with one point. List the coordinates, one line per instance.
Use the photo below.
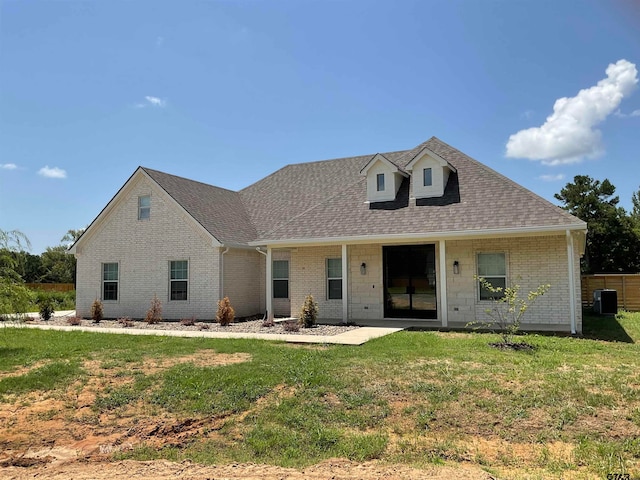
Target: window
(493, 268)
(380, 180)
(144, 207)
(334, 278)
(427, 180)
(281, 279)
(178, 279)
(109, 281)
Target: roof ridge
(146, 169)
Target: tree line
(54, 265)
(613, 237)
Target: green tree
(612, 242)
(72, 236)
(58, 265)
(635, 211)
(14, 296)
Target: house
(398, 235)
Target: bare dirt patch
(336, 469)
(58, 435)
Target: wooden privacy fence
(627, 285)
(51, 287)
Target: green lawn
(568, 409)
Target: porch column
(345, 283)
(269, 285)
(572, 283)
(442, 308)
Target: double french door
(410, 281)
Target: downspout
(572, 283)
(221, 294)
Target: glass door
(410, 281)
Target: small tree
(46, 309)
(154, 314)
(309, 312)
(508, 308)
(97, 311)
(226, 313)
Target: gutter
(425, 236)
(221, 294)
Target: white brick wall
(366, 292)
(531, 261)
(243, 281)
(143, 249)
(308, 276)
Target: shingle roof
(326, 199)
(218, 210)
(477, 198)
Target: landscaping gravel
(241, 326)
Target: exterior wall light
(456, 267)
(363, 269)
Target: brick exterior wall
(531, 261)
(308, 275)
(366, 292)
(243, 281)
(143, 249)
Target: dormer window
(430, 174)
(383, 179)
(427, 179)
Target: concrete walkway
(358, 336)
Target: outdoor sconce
(456, 267)
(363, 269)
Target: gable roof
(427, 152)
(379, 157)
(484, 201)
(325, 200)
(218, 210)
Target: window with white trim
(493, 268)
(144, 207)
(109, 281)
(280, 275)
(178, 279)
(334, 278)
(380, 182)
(427, 177)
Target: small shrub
(268, 323)
(126, 322)
(74, 321)
(309, 312)
(225, 314)
(291, 326)
(188, 322)
(203, 326)
(46, 310)
(97, 311)
(507, 311)
(154, 314)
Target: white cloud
(152, 102)
(552, 178)
(635, 113)
(8, 166)
(568, 135)
(54, 172)
(155, 101)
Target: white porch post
(269, 285)
(572, 282)
(345, 283)
(442, 307)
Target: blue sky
(226, 92)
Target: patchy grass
(568, 409)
